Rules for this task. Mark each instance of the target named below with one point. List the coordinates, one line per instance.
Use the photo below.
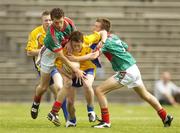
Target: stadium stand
(150, 27)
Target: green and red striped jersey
(116, 52)
(55, 40)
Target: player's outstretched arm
(90, 56)
(103, 34)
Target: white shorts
(130, 77)
(47, 60)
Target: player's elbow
(29, 53)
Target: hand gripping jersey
(86, 49)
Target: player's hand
(100, 45)
(94, 55)
(80, 75)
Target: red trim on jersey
(66, 22)
(52, 31)
(65, 39)
(108, 55)
(70, 22)
(64, 26)
(57, 50)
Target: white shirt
(168, 88)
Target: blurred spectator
(166, 91)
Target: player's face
(76, 46)
(46, 21)
(58, 23)
(97, 26)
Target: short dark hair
(105, 23)
(44, 13)
(76, 36)
(56, 13)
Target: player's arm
(64, 73)
(31, 49)
(79, 74)
(95, 37)
(33, 52)
(103, 34)
(59, 66)
(90, 56)
(126, 46)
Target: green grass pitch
(125, 118)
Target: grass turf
(125, 118)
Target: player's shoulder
(68, 20)
(37, 30)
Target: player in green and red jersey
(127, 74)
(56, 37)
(34, 44)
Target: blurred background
(150, 27)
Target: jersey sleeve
(125, 45)
(106, 46)
(71, 23)
(92, 38)
(32, 42)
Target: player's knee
(58, 86)
(67, 84)
(87, 86)
(42, 87)
(97, 91)
(88, 89)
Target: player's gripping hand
(80, 75)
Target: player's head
(46, 19)
(76, 40)
(57, 16)
(102, 24)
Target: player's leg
(62, 93)
(71, 122)
(40, 89)
(89, 95)
(100, 91)
(53, 89)
(58, 84)
(134, 76)
(148, 97)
